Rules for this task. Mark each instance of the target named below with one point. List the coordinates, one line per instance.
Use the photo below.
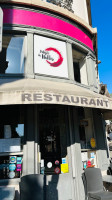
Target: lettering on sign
(64, 99)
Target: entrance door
(49, 132)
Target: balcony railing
(67, 4)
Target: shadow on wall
(45, 187)
(51, 188)
(34, 187)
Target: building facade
(52, 115)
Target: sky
(101, 11)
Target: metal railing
(67, 4)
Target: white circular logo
(11, 174)
(49, 164)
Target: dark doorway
(77, 72)
(49, 131)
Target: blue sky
(101, 11)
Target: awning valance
(33, 91)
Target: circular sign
(93, 143)
(60, 58)
(11, 174)
(57, 162)
(13, 159)
(49, 164)
(12, 167)
(57, 170)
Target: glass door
(49, 132)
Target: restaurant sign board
(42, 97)
(50, 57)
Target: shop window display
(87, 138)
(86, 128)
(11, 142)
(10, 167)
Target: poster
(64, 168)
(64, 160)
(19, 160)
(84, 156)
(18, 167)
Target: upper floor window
(79, 66)
(12, 57)
(77, 75)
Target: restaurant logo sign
(50, 57)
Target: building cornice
(53, 8)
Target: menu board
(10, 145)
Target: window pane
(79, 66)
(12, 55)
(11, 130)
(76, 71)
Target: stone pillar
(70, 62)
(29, 146)
(100, 132)
(29, 60)
(91, 72)
(79, 193)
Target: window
(12, 57)
(86, 129)
(76, 71)
(79, 66)
(87, 138)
